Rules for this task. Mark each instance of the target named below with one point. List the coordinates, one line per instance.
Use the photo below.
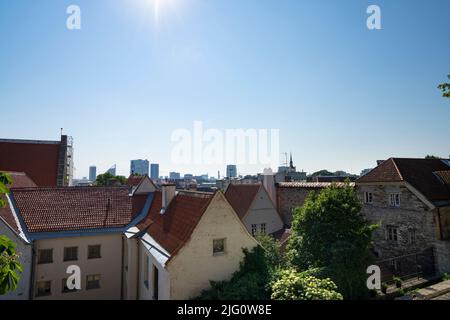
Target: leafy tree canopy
(5, 180)
(108, 179)
(445, 88)
(293, 285)
(432, 157)
(330, 233)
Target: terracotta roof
(20, 180)
(174, 228)
(428, 176)
(73, 208)
(311, 185)
(241, 197)
(38, 159)
(134, 181)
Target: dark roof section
(38, 159)
(241, 197)
(21, 180)
(174, 228)
(7, 216)
(73, 208)
(133, 181)
(426, 175)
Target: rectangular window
(254, 229)
(392, 233)
(412, 236)
(93, 282)
(65, 289)
(263, 228)
(368, 197)
(45, 256)
(218, 246)
(94, 252)
(394, 199)
(43, 288)
(70, 253)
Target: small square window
(93, 282)
(43, 288)
(218, 246)
(45, 256)
(94, 252)
(70, 253)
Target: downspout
(32, 270)
(441, 235)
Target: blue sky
(342, 96)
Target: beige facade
(261, 213)
(191, 269)
(107, 269)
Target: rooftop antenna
(61, 131)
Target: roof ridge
(396, 168)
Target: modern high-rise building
(154, 171)
(112, 170)
(47, 163)
(139, 167)
(174, 176)
(92, 173)
(231, 171)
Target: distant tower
(92, 173)
(291, 163)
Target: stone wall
(442, 254)
(289, 198)
(416, 224)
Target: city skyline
(129, 78)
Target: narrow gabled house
(410, 200)
(186, 240)
(80, 226)
(141, 184)
(254, 207)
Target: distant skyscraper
(154, 171)
(231, 171)
(174, 175)
(112, 170)
(139, 167)
(92, 173)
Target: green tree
(323, 172)
(9, 263)
(292, 285)
(428, 156)
(108, 179)
(445, 88)
(329, 232)
(250, 282)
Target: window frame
(261, 227)
(394, 200)
(65, 255)
(218, 253)
(368, 197)
(392, 233)
(99, 251)
(98, 281)
(254, 229)
(39, 256)
(37, 294)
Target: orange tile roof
(73, 208)
(174, 228)
(241, 197)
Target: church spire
(291, 163)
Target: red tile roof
(21, 180)
(174, 228)
(312, 185)
(422, 174)
(38, 159)
(241, 197)
(134, 181)
(73, 208)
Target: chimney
(168, 193)
(269, 184)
